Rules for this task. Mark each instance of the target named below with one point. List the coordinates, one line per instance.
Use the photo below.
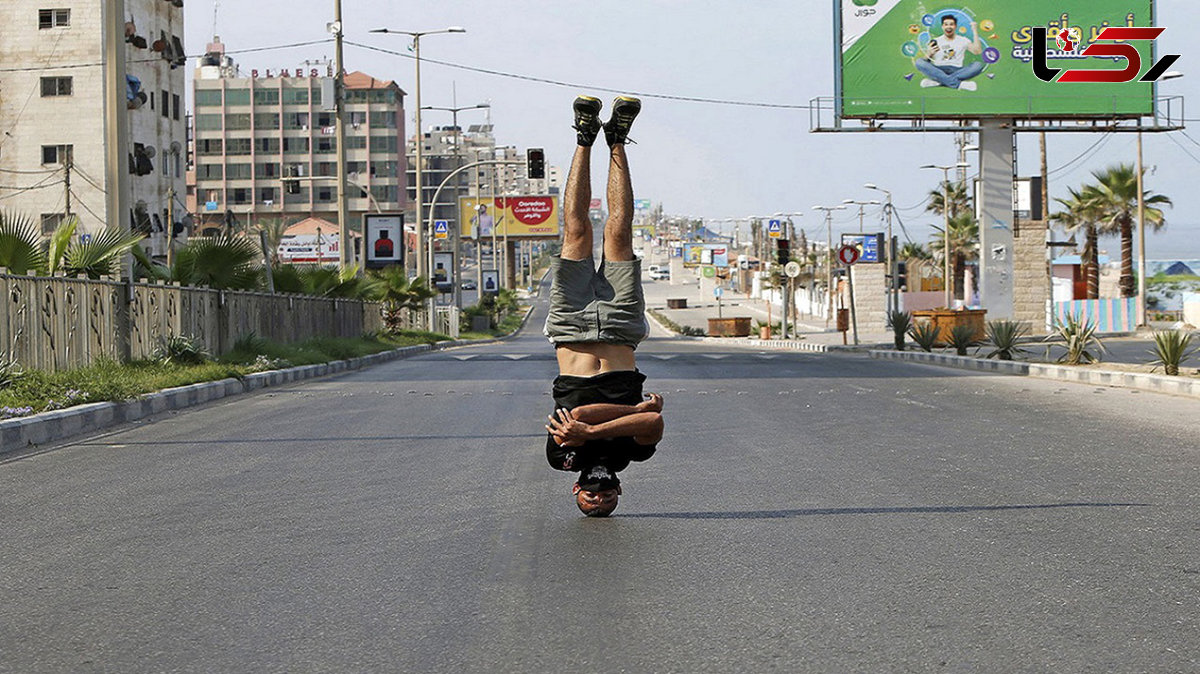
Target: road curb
(46, 427)
(1155, 383)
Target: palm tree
(959, 201)
(274, 228)
(1115, 199)
(1080, 214)
(914, 252)
(24, 251)
(398, 293)
(964, 242)
(21, 249)
(221, 262)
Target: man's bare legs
(577, 239)
(618, 229)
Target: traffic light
(901, 275)
(783, 251)
(535, 158)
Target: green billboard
(975, 58)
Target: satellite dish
(149, 151)
(176, 148)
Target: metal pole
(1143, 314)
(345, 245)
(829, 266)
(946, 280)
(853, 313)
(116, 149)
(68, 164)
(171, 234)
(422, 263)
(893, 286)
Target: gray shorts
(596, 305)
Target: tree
(23, 249)
(1114, 201)
(1080, 215)
(914, 252)
(398, 293)
(959, 201)
(275, 229)
(964, 247)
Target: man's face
(589, 502)
(949, 26)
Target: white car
(660, 274)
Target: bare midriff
(591, 358)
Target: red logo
(531, 210)
(1123, 50)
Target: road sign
(85, 238)
(710, 272)
(441, 229)
(717, 292)
(848, 255)
(774, 229)
(870, 246)
(792, 269)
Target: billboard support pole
(996, 158)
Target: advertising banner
(696, 254)
(527, 216)
(976, 58)
(870, 246)
(309, 249)
(443, 272)
(385, 243)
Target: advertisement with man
(696, 254)
(385, 239)
(526, 216)
(911, 58)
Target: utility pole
(68, 164)
(116, 149)
(345, 245)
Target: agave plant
(10, 370)
(1171, 349)
(1005, 336)
(899, 322)
(924, 334)
(182, 350)
(962, 337)
(21, 250)
(1079, 338)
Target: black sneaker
(625, 110)
(587, 119)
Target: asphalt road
(805, 512)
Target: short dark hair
(948, 16)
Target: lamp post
(893, 287)
(1143, 314)
(829, 255)
(457, 245)
(946, 281)
(422, 263)
(861, 209)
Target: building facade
(52, 118)
(252, 130)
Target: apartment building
(52, 127)
(251, 130)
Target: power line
(39, 173)
(79, 202)
(1093, 149)
(1184, 148)
(589, 87)
(42, 184)
(156, 59)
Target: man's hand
(654, 404)
(566, 430)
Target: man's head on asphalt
(597, 491)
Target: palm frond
(59, 241)
(101, 256)
(21, 249)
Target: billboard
(870, 246)
(385, 242)
(321, 249)
(696, 254)
(443, 272)
(974, 58)
(528, 216)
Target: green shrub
(1171, 349)
(1005, 336)
(962, 337)
(182, 350)
(10, 370)
(924, 334)
(1079, 338)
(899, 322)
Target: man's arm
(975, 47)
(646, 428)
(598, 413)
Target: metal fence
(57, 323)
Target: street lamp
(949, 292)
(422, 264)
(861, 207)
(457, 245)
(1143, 314)
(829, 254)
(893, 287)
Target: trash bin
(843, 320)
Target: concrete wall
(1191, 309)
(1031, 275)
(870, 297)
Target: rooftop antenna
(216, 6)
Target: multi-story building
(251, 131)
(52, 116)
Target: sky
(702, 159)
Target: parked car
(469, 285)
(660, 274)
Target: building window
(55, 154)
(266, 121)
(383, 144)
(295, 120)
(237, 122)
(385, 192)
(295, 96)
(325, 145)
(164, 107)
(266, 97)
(268, 195)
(237, 97)
(266, 145)
(324, 194)
(51, 221)
(175, 104)
(356, 142)
(57, 86)
(209, 122)
(208, 147)
(383, 121)
(325, 168)
(207, 98)
(262, 171)
(209, 171)
(240, 195)
(295, 145)
(237, 172)
(237, 146)
(54, 18)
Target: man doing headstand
(597, 318)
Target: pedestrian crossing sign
(441, 229)
(774, 229)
